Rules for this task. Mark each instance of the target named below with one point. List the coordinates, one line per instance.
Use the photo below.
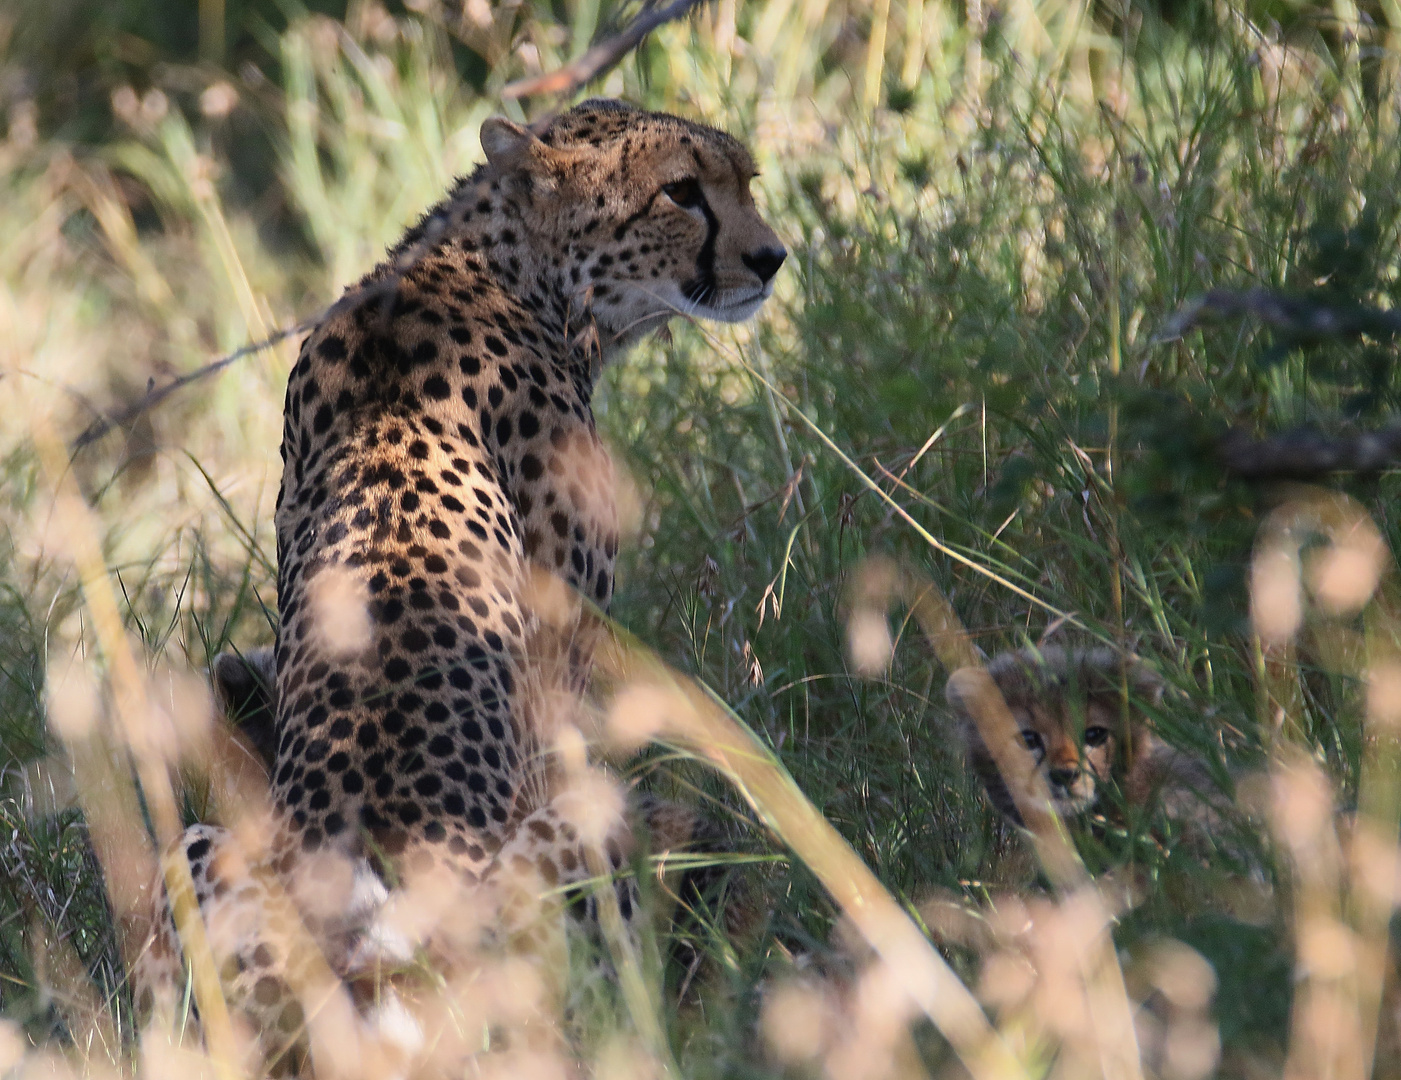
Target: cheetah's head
(1067, 707)
(651, 213)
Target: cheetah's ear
(506, 143)
(1145, 683)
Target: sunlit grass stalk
(642, 1004)
(1111, 454)
(875, 56)
(722, 39)
(1327, 1031)
(1070, 41)
(781, 439)
(801, 55)
(1389, 64)
(192, 167)
(975, 20)
(769, 25)
(583, 27)
(90, 1020)
(1379, 811)
(702, 724)
(114, 217)
(211, 30)
(914, 42)
(300, 160)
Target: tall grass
(991, 213)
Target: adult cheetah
(439, 454)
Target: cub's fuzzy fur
(1067, 705)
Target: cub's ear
(1145, 683)
(504, 142)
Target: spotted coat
(442, 468)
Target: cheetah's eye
(1096, 736)
(684, 193)
(1033, 742)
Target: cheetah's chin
(1069, 808)
(735, 311)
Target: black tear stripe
(702, 286)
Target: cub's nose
(1063, 778)
(765, 262)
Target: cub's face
(1067, 709)
(652, 214)
(1074, 748)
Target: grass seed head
(1191, 1049)
(1301, 804)
(621, 1058)
(1384, 695)
(13, 1046)
(73, 702)
(181, 715)
(797, 1021)
(639, 713)
(1344, 575)
(593, 804)
(1375, 862)
(1181, 975)
(339, 612)
(1276, 601)
(869, 641)
(1006, 980)
(1327, 948)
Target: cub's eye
(1096, 736)
(1033, 742)
(684, 193)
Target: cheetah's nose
(1063, 778)
(765, 262)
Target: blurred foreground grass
(991, 211)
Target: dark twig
(154, 396)
(1309, 455)
(601, 58)
(1304, 316)
(1308, 318)
(384, 289)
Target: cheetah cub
(1067, 706)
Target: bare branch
(1306, 316)
(156, 394)
(382, 289)
(601, 58)
(1308, 455)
